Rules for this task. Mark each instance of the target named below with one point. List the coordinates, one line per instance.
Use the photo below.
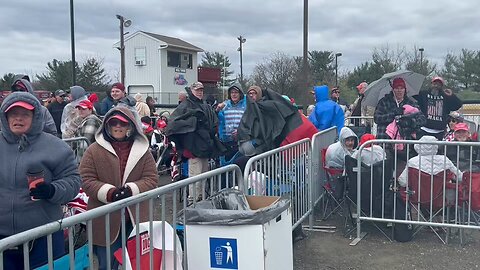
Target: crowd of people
(119, 164)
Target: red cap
(119, 86)
(399, 82)
(85, 104)
(438, 79)
(366, 137)
(22, 104)
(119, 117)
(93, 98)
(161, 124)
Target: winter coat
(335, 156)
(107, 104)
(385, 113)
(327, 113)
(49, 124)
(100, 171)
(440, 107)
(371, 155)
(88, 128)
(141, 107)
(70, 117)
(17, 211)
(56, 110)
(229, 117)
(430, 161)
(192, 126)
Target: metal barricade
(283, 171)
(361, 121)
(166, 198)
(425, 189)
(320, 141)
(78, 145)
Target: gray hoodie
(49, 125)
(19, 153)
(335, 156)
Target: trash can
(234, 231)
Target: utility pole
(72, 41)
(421, 58)
(305, 42)
(123, 23)
(240, 49)
(336, 67)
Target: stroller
(162, 149)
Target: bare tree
(278, 72)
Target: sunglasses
(455, 120)
(116, 122)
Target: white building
(159, 66)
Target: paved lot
(332, 251)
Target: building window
(140, 56)
(179, 60)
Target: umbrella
(379, 88)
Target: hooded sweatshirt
(229, 117)
(335, 156)
(141, 106)
(372, 153)
(70, 117)
(49, 123)
(19, 153)
(327, 113)
(428, 161)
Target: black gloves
(42, 191)
(121, 193)
(398, 111)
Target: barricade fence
(164, 204)
(418, 183)
(320, 141)
(283, 172)
(361, 122)
(79, 145)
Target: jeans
(13, 258)
(101, 251)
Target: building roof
(174, 42)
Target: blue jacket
(19, 153)
(327, 113)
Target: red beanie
(398, 82)
(365, 138)
(119, 86)
(93, 98)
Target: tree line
(285, 74)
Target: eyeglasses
(453, 120)
(115, 122)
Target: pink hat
(22, 104)
(438, 79)
(362, 85)
(119, 117)
(461, 126)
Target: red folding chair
(471, 197)
(431, 197)
(330, 186)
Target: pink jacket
(392, 128)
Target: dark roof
(174, 42)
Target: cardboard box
(265, 246)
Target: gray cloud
(33, 36)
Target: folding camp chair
(430, 196)
(471, 197)
(376, 198)
(333, 187)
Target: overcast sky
(35, 32)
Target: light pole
(240, 49)
(72, 40)
(336, 67)
(123, 23)
(421, 58)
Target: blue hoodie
(327, 113)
